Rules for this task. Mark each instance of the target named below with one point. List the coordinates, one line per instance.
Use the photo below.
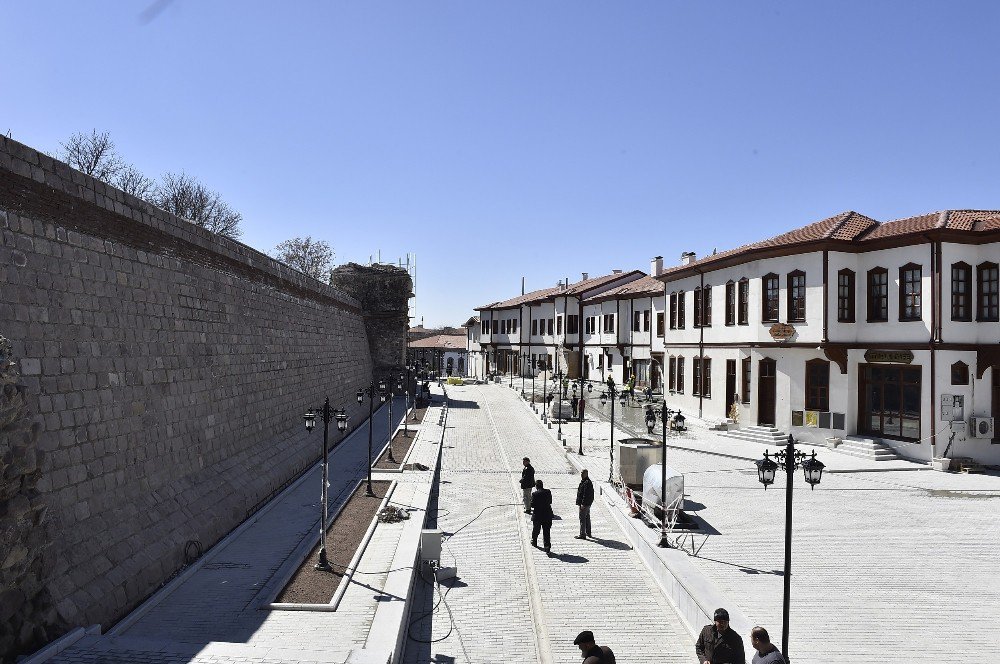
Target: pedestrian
(527, 484)
(593, 653)
(584, 498)
(611, 384)
(717, 644)
(574, 404)
(650, 418)
(766, 652)
(631, 388)
(580, 406)
(541, 516)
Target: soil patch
(311, 586)
(400, 446)
(417, 415)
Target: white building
(440, 353)
(476, 367)
(542, 328)
(847, 326)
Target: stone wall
(164, 371)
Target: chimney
(585, 276)
(656, 266)
(687, 258)
(560, 285)
(616, 271)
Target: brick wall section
(168, 369)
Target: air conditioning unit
(982, 427)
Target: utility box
(634, 456)
(430, 544)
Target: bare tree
(185, 196)
(314, 257)
(93, 154)
(132, 181)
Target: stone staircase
(763, 435)
(862, 447)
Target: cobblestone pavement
(890, 564)
(510, 601)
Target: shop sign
(889, 356)
(782, 332)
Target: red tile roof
(642, 287)
(443, 341)
(578, 288)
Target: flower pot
(941, 463)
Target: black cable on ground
(479, 515)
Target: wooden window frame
(673, 310)
(706, 378)
(681, 312)
(961, 302)
(671, 373)
(636, 321)
(765, 302)
(659, 323)
(706, 306)
(910, 292)
(697, 306)
(572, 324)
(746, 377)
(846, 305)
(730, 302)
(645, 320)
(817, 397)
(743, 301)
(795, 301)
(988, 302)
(680, 374)
(696, 377)
(960, 373)
(878, 312)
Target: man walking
(717, 644)
(527, 482)
(766, 652)
(593, 653)
(573, 403)
(584, 499)
(541, 516)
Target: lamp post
(532, 365)
(406, 401)
(545, 386)
(812, 469)
(327, 413)
(371, 392)
(557, 377)
(390, 380)
(524, 363)
(622, 396)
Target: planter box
(833, 442)
(941, 463)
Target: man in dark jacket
(717, 644)
(593, 653)
(584, 499)
(541, 515)
(527, 483)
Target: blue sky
(497, 140)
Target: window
(961, 292)
(496, 326)
(636, 321)
(796, 296)
(769, 298)
(818, 385)
(513, 325)
(706, 377)
(845, 296)
(534, 327)
(706, 307)
(744, 306)
(609, 323)
(960, 373)
(989, 280)
(572, 324)
(878, 295)
(909, 292)
(696, 377)
(746, 380)
(697, 307)
(486, 326)
(680, 375)
(549, 321)
(671, 371)
(673, 311)
(681, 298)
(730, 303)
(559, 324)
(659, 323)
(645, 320)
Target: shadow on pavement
(459, 403)
(569, 558)
(613, 544)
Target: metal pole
(324, 564)
(664, 416)
(524, 359)
(389, 434)
(579, 412)
(790, 472)
(532, 387)
(559, 433)
(545, 387)
(611, 466)
(371, 425)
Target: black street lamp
(327, 413)
(392, 379)
(579, 406)
(532, 365)
(545, 388)
(371, 392)
(406, 401)
(812, 469)
(558, 378)
(524, 363)
(622, 396)
(665, 414)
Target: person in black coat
(718, 643)
(541, 515)
(527, 484)
(584, 498)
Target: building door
(766, 373)
(890, 400)
(730, 385)
(655, 372)
(995, 412)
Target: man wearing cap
(593, 653)
(717, 644)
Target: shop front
(889, 394)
